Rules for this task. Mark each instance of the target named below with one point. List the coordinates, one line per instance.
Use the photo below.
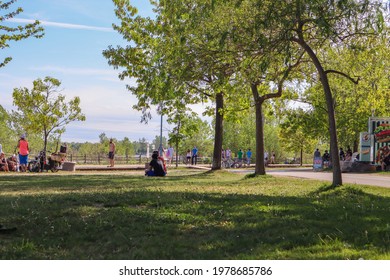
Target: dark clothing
(194, 159)
(386, 160)
(342, 154)
(157, 168)
(326, 157)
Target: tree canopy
(240, 53)
(43, 110)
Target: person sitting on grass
(3, 163)
(156, 167)
(12, 163)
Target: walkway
(371, 179)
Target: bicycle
(237, 163)
(53, 162)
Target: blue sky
(76, 33)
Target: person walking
(111, 153)
(23, 153)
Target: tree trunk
(334, 151)
(177, 143)
(260, 166)
(355, 146)
(218, 139)
(301, 156)
(45, 137)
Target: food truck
(373, 142)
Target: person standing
(239, 155)
(169, 154)
(228, 154)
(111, 153)
(23, 153)
(326, 159)
(194, 159)
(273, 156)
(317, 160)
(349, 152)
(249, 156)
(342, 154)
(188, 156)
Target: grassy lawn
(190, 214)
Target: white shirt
(170, 152)
(228, 153)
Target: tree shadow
(135, 223)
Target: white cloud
(63, 25)
(78, 71)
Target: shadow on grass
(131, 222)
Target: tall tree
(9, 32)
(171, 58)
(313, 25)
(43, 110)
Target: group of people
(326, 157)
(15, 162)
(241, 157)
(347, 156)
(268, 160)
(192, 156)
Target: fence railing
(125, 159)
(142, 159)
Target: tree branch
(344, 75)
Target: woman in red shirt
(23, 153)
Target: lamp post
(160, 148)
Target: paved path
(371, 179)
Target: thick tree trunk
(260, 166)
(334, 151)
(337, 179)
(218, 139)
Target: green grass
(190, 215)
